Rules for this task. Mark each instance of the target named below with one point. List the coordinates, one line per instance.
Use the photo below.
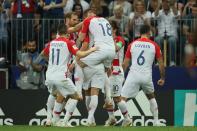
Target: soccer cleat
(157, 124)
(63, 124)
(126, 122)
(92, 124)
(48, 123)
(110, 122)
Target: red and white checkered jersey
(73, 36)
(99, 30)
(59, 52)
(142, 53)
(118, 60)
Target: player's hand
(160, 82)
(95, 48)
(71, 67)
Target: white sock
(107, 89)
(50, 105)
(70, 109)
(154, 109)
(123, 108)
(57, 111)
(111, 112)
(92, 108)
(87, 101)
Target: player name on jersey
(142, 45)
(58, 44)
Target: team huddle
(98, 66)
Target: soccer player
(142, 53)
(100, 34)
(99, 31)
(117, 75)
(71, 19)
(59, 51)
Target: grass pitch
(98, 128)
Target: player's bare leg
(153, 108)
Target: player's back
(59, 57)
(101, 31)
(143, 52)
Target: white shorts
(103, 55)
(78, 77)
(64, 87)
(116, 82)
(94, 77)
(134, 82)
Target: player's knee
(60, 98)
(94, 91)
(117, 99)
(53, 94)
(76, 96)
(87, 92)
(124, 98)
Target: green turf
(98, 128)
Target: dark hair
(74, 6)
(61, 29)
(115, 26)
(77, 5)
(144, 29)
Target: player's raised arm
(85, 25)
(82, 54)
(84, 30)
(75, 28)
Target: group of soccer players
(99, 50)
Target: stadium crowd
(27, 25)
